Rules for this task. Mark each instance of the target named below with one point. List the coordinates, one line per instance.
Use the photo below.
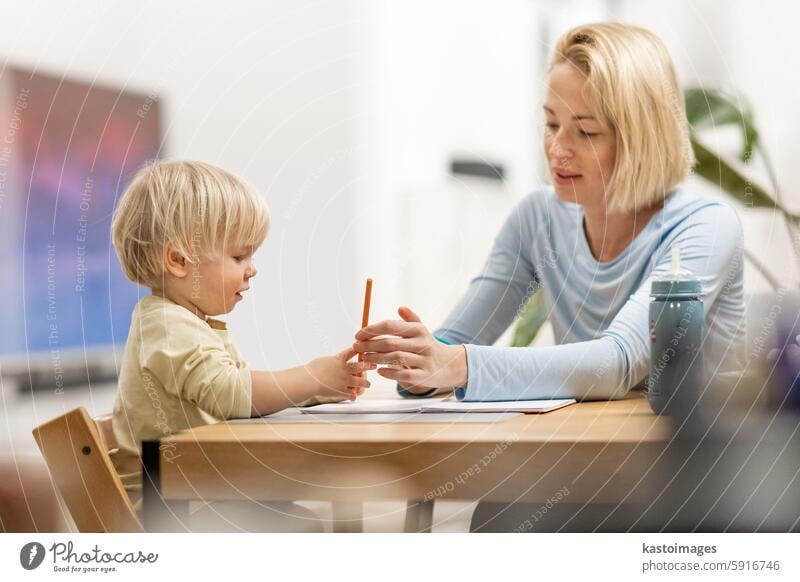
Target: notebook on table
(395, 405)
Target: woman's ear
(175, 262)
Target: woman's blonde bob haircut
(632, 88)
(197, 208)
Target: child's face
(217, 281)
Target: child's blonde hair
(196, 207)
(632, 87)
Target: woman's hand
(338, 378)
(412, 356)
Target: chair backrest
(106, 430)
(76, 450)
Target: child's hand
(336, 377)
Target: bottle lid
(678, 281)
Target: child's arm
(329, 376)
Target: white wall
(441, 80)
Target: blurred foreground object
(28, 502)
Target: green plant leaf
(531, 320)
(723, 175)
(711, 108)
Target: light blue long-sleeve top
(598, 311)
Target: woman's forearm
(591, 370)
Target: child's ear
(175, 262)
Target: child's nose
(251, 272)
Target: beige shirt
(178, 371)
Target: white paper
(366, 406)
(527, 406)
(396, 405)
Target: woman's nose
(559, 147)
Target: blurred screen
(68, 149)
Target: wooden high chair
(76, 449)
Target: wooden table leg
(159, 515)
(419, 517)
(347, 517)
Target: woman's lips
(564, 179)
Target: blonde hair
(633, 89)
(196, 207)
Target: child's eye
(238, 259)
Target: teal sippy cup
(676, 337)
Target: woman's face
(580, 150)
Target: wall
(442, 80)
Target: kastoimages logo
(31, 555)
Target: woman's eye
(589, 134)
(552, 126)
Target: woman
(617, 145)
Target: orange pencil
(365, 314)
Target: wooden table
(597, 451)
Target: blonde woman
(617, 146)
